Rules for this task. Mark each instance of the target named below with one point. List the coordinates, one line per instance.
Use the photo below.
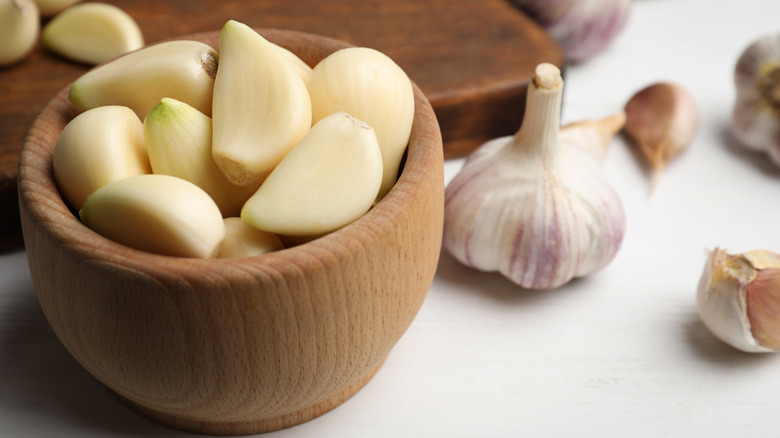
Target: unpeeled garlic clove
(756, 115)
(19, 26)
(178, 141)
(161, 214)
(97, 147)
(583, 28)
(327, 181)
(535, 209)
(370, 86)
(261, 107)
(92, 33)
(182, 70)
(50, 8)
(663, 121)
(593, 136)
(241, 240)
(738, 298)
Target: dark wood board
(472, 59)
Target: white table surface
(620, 354)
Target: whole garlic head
(533, 208)
(756, 114)
(739, 299)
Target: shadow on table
(43, 387)
(493, 285)
(707, 347)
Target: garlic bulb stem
(539, 134)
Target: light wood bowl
(236, 346)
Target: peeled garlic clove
(303, 69)
(534, 208)
(50, 8)
(593, 136)
(97, 147)
(327, 181)
(261, 106)
(583, 28)
(161, 214)
(241, 240)
(182, 70)
(368, 85)
(19, 26)
(92, 33)
(756, 114)
(663, 120)
(178, 141)
(739, 299)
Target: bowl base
(253, 426)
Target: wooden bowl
(236, 346)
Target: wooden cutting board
(472, 59)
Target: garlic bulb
(535, 209)
(583, 28)
(756, 114)
(739, 299)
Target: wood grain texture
(472, 59)
(236, 346)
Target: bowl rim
(54, 216)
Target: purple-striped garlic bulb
(583, 28)
(756, 114)
(531, 206)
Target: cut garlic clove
(19, 26)
(97, 147)
(182, 70)
(241, 240)
(50, 8)
(261, 106)
(92, 33)
(738, 298)
(161, 214)
(327, 181)
(178, 141)
(370, 86)
(593, 136)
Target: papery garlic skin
(583, 28)
(161, 214)
(19, 26)
(536, 210)
(756, 112)
(738, 298)
(92, 33)
(97, 147)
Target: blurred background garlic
(739, 299)
(530, 206)
(756, 114)
(19, 26)
(583, 28)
